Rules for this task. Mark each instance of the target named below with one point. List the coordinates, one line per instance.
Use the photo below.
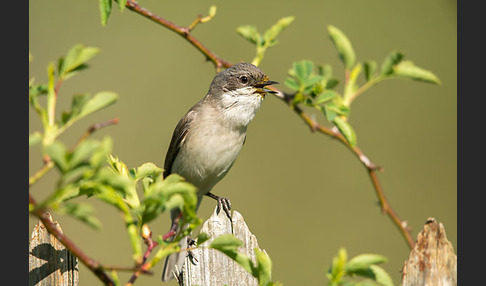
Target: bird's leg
(223, 203)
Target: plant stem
(41, 172)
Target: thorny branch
(314, 126)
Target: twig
(93, 128)
(218, 62)
(144, 267)
(182, 31)
(48, 164)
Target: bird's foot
(190, 254)
(223, 203)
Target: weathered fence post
(432, 261)
(50, 263)
(214, 267)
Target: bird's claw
(190, 254)
(225, 204)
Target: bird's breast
(208, 153)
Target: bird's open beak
(261, 87)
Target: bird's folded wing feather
(178, 138)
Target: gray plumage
(209, 137)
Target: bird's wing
(178, 137)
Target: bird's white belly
(211, 157)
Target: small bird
(209, 137)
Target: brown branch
(371, 168)
(181, 31)
(93, 128)
(314, 126)
(144, 267)
(92, 265)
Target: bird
(208, 138)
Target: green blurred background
(302, 194)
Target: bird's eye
(244, 79)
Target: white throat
(238, 107)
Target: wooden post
(432, 261)
(50, 263)
(214, 267)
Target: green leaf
(176, 201)
(63, 194)
(121, 4)
(303, 70)
(391, 60)
(329, 113)
(105, 11)
(75, 59)
(351, 86)
(325, 96)
(346, 130)
(82, 212)
(292, 84)
(77, 104)
(34, 92)
(99, 156)
(250, 33)
(407, 69)
(336, 107)
(336, 271)
(170, 193)
(202, 237)
(343, 45)
(38, 89)
(228, 244)
(369, 69)
(270, 36)
(363, 261)
(147, 169)
(331, 83)
(212, 11)
(104, 193)
(83, 152)
(312, 80)
(97, 102)
(77, 174)
(325, 71)
(381, 276)
(264, 267)
(34, 138)
(58, 154)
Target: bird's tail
(173, 262)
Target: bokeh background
(302, 194)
